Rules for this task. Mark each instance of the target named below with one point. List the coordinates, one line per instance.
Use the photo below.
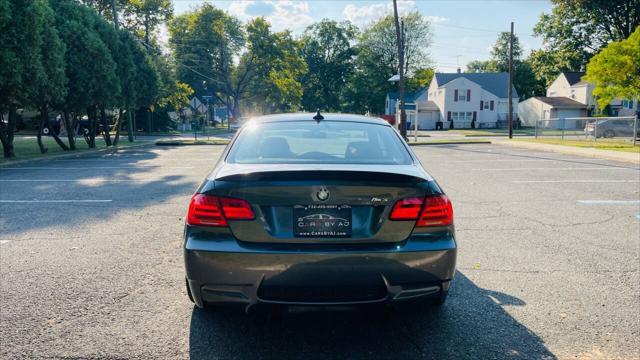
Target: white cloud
(435, 19)
(281, 14)
(363, 14)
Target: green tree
(11, 71)
(328, 52)
(546, 65)
(524, 79)
(615, 71)
(420, 79)
(377, 61)
(49, 84)
(126, 71)
(275, 80)
(144, 16)
(205, 42)
(30, 69)
(480, 66)
(110, 96)
(90, 67)
(576, 30)
(146, 83)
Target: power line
(494, 31)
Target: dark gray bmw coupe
(328, 209)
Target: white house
(465, 99)
(546, 108)
(478, 100)
(571, 85)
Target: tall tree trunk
(149, 130)
(91, 137)
(146, 32)
(236, 108)
(71, 129)
(105, 126)
(6, 133)
(118, 123)
(87, 131)
(43, 149)
(130, 124)
(51, 130)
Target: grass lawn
(210, 131)
(616, 145)
(27, 147)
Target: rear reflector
(437, 211)
(406, 209)
(207, 210)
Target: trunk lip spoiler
(226, 171)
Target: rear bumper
(226, 271)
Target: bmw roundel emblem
(322, 194)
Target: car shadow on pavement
(472, 324)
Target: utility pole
(510, 121)
(400, 42)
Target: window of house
(462, 94)
(462, 116)
(486, 105)
(627, 104)
(573, 94)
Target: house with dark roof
(551, 108)
(571, 85)
(569, 97)
(465, 100)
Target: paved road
(91, 264)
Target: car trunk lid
(281, 195)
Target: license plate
(322, 220)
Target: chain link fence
(623, 128)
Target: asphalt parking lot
(549, 250)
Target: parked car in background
(318, 210)
(609, 128)
(237, 124)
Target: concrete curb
(432, 143)
(628, 157)
(69, 154)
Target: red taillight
(406, 209)
(437, 211)
(236, 209)
(429, 211)
(207, 210)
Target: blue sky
(462, 30)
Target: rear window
(326, 142)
